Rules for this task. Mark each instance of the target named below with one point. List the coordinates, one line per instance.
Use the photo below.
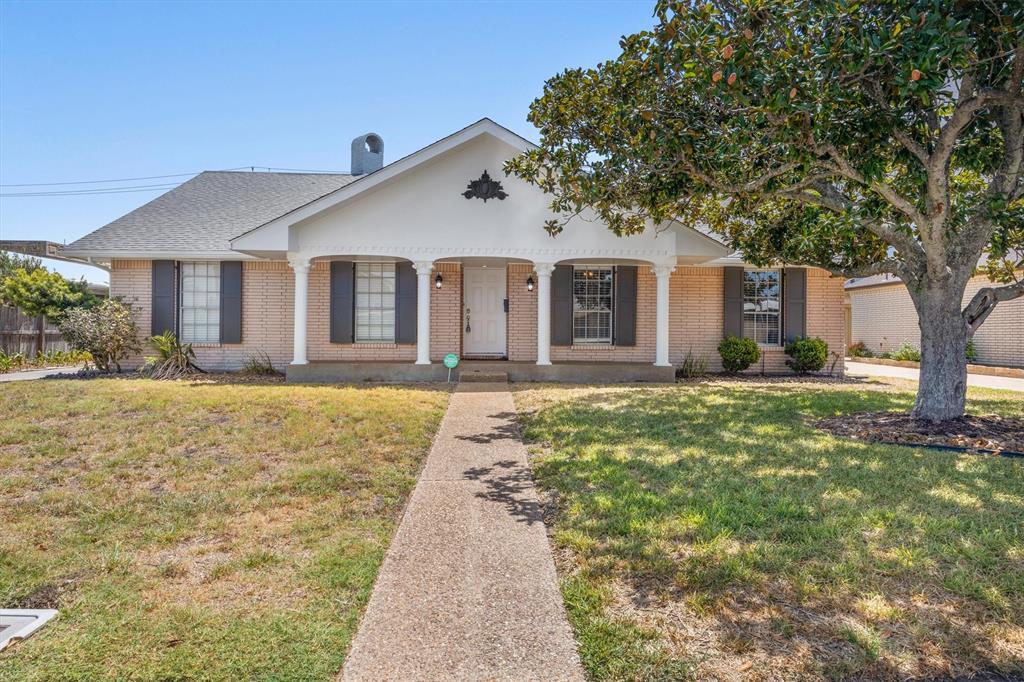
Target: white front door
(483, 312)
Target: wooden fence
(19, 333)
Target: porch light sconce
(438, 280)
(529, 283)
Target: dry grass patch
(708, 531)
(200, 530)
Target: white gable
(415, 209)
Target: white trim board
(18, 624)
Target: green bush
(107, 333)
(970, 352)
(860, 350)
(907, 352)
(176, 359)
(692, 367)
(807, 355)
(738, 354)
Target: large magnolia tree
(859, 137)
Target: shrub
(860, 350)
(176, 359)
(11, 362)
(806, 355)
(907, 352)
(692, 367)
(738, 354)
(259, 364)
(970, 352)
(107, 332)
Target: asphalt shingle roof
(203, 214)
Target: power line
(160, 177)
(80, 193)
(125, 189)
(98, 182)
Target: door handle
(468, 328)
(505, 305)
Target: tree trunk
(942, 388)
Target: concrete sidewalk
(468, 589)
(29, 375)
(912, 373)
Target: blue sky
(91, 91)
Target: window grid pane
(375, 302)
(762, 306)
(200, 301)
(592, 304)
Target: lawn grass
(706, 531)
(199, 530)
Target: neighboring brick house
(385, 271)
(882, 316)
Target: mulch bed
(973, 432)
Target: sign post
(451, 361)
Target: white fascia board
(367, 182)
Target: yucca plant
(176, 359)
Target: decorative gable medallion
(485, 189)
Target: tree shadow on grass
(728, 496)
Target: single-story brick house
(882, 316)
(382, 272)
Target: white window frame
(590, 340)
(379, 304)
(778, 314)
(199, 301)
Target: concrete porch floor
(570, 372)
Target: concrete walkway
(31, 374)
(912, 373)
(468, 589)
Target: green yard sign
(451, 361)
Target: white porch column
(423, 269)
(300, 312)
(544, 271)
(662, 273)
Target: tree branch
(985, 301)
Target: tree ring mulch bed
(979, 433)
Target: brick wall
(267, 303)
(446, 312)
(131, 280)
(695, 317)
(522, 314)
(883, 317)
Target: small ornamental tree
(41, 292)
(107, 332)
(860, 137)
(9, 262)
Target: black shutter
(625, 305)
(342, 301)
(794, 298)
(561, 306)
(733, 285)
(165, 296)
(231, 301)
(405, 303)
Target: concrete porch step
(483, 375)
